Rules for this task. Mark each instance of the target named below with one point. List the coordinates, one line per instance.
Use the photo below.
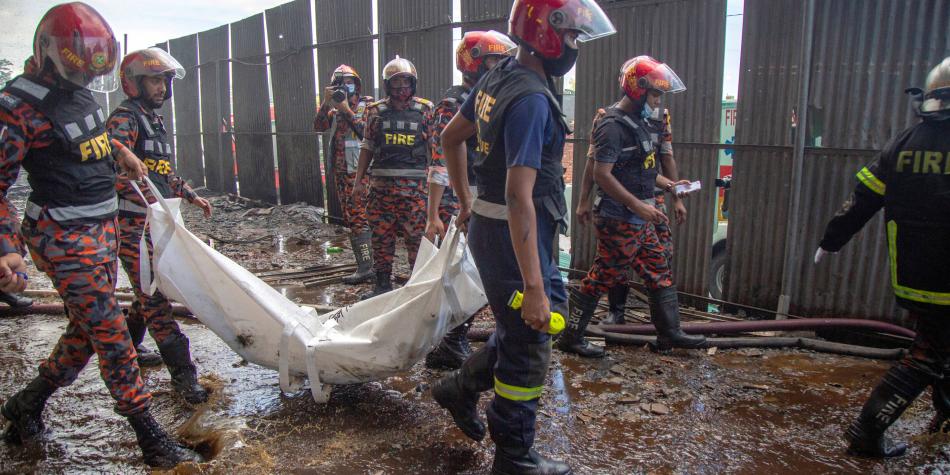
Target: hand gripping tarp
(367, 341)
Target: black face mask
(560, 66)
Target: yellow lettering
(946, 169)
(410, 140)
(650, 161)
(917, 161)
(483, 106)
(104, 144)
(85, 149)
(932, 161)
(903, 158)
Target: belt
(393, 172)
(490, 210)
(126, 205)
(68, 213)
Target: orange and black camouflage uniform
(438, 172)
(79, 256)
(396, 205)
(354, 209)
(628, 242)
(154, 310)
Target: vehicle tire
(717, 274)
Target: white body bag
(370, 340)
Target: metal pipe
(765, 342)
(769, 325)
(793, 251)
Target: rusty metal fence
(242, 117)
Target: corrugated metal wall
(289, 35)
(216, 108)
(689, 36)
(340, 21)
(429, 50)
(187, 116)
(255, 155)
(489, 14)
(863, 55)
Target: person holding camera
(396, 143)
(341, 114)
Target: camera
(339, 94)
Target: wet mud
(743, 411)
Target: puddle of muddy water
(781, 412)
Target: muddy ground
(743, 411)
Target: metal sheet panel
(689, 36)
(187, 115)
(255, 154)
(486, 15)
(216, 109)
(341, 19)
(864, 54)
(289, 34)
(430, 51)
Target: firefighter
(146, 77)
(478, 52)
(53, 128)
(344, 120)
(910, 179)
(514, 221)
(626, 142)
(396, 143)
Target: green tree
(6, 70)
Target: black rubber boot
(363, 251)
(384, 284)
(665, 314)
(617, 297)
(158, 449)
(572, 339)
(458, 392)
(526, 461)
(15, 300)
(177, 355)
(452, 350)
(900, 386)
(24, 411)
(146, 357)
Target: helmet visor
(90, 62)
(663, 79)
(585, 17)
(153, 62)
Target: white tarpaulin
(367, 341)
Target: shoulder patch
(427, 103)
(9, 101)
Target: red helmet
(80, 45)
(344, 71)
(541, 25)
(148, 62)
(475, 47)
(643, 73)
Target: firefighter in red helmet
(630, 144)
(343, 115)
(53, 128)
(478, 52)
(520, 131)
(147, 82)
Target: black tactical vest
(637, 166)
(403, 150)
(152, 146)
(455, 96)
(501, 87)
(76, 172)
